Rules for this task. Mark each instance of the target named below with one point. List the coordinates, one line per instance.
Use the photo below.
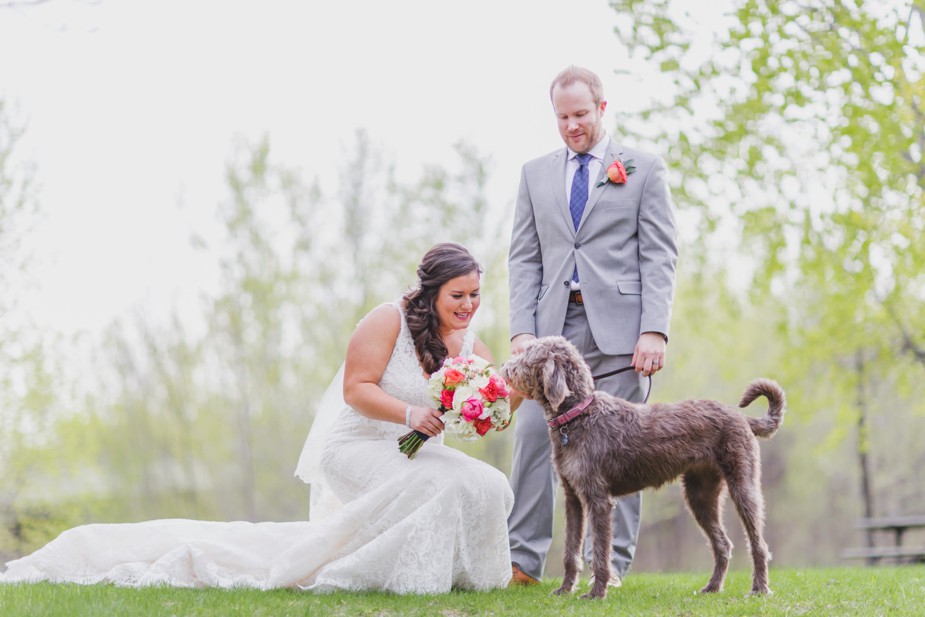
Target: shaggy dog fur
(616, 448)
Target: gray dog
(604, 447)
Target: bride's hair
(441, 263)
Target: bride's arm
(481, 349)
(368, 354)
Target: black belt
(574, 297)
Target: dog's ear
(555, 387)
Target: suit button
(566, 283)
(578, 245)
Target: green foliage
(842, 591)
(816, 115)
(30, 372)
(800, 128)
(208, 423)
(794, 133)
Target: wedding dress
(425, 525)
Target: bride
(380, 521)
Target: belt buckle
(575, 296)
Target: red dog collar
(571, 414)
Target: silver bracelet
(408, 416)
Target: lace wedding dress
(427, 525)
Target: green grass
(837, 592)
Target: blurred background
(198, 201)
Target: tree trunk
(863, 443)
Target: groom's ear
(555, 387)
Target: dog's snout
(508, 372)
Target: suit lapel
(557, 173)
(610, 155)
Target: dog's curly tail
(777, 406)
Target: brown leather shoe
(519, 577)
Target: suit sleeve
(525, 263)
(658, 251)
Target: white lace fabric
(427, 525)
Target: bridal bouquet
(472, 397)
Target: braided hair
(443, 262)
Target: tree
(29, 376)
(18, 212)
(212, 424)
(801, 129)
(17, 4)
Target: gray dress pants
(533, 477)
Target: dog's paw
(761, 591)
(592, 595)
(562, 591)
(712, 589)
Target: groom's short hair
(573, 73)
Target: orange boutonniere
(617, 172)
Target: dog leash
(623, 370)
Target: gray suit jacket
(625, 251)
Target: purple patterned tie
(579, 198)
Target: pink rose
(446, 398)
(471, 409)
(452, 377)
(617, 172)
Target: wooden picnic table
(898, 525)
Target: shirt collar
(598, 151)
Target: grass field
(837, 592)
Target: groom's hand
(519, 342)
(649, 355)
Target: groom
(592, 258)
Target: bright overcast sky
(132, 108)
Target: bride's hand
(426, 420)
